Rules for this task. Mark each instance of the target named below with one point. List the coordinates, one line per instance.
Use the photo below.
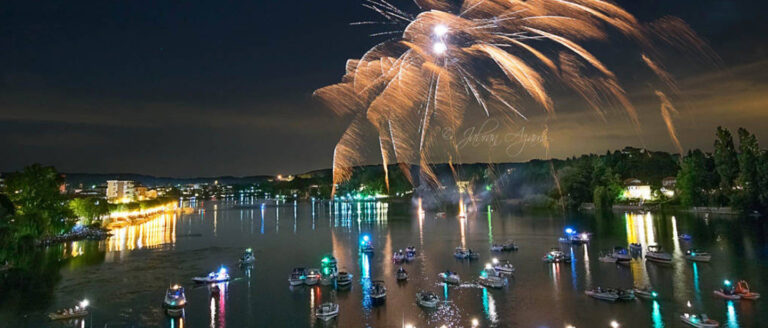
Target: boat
(76, 312)
(327, 311)
(365, 245)
(313, 277)
(398, 257)
(603, 294)
(427, 299)
(635, 247)
(497, 248)
(608, 258)
(472, 255)
(410, 253)
(656, 254)
(555, 255)
(505, 268)
(297, 276)
(410, 249)
(696, 255)
(722, 293)
(742, 288)
(490, 278)
(378, 291)
(343, 278)
(621, 254)
(645, 293)
(213, 277)
(461, 253)
(580, 238)
(450, 277)
(247, 257)
(684, 236)
(510, 246)
(327, 279)
(699, 321)
(402, 275)
(626, 294)
(174, 301)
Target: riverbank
(81, 234)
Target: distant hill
(87, 179)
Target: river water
(125, 277)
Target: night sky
(204, 88)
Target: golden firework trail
(499, 54)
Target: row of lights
(476, 323)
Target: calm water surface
(125, 277)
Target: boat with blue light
(214, 277)
(175, 301)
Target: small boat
(505, 268)
(398, 257)
(365, 245)
(461, 253)
(472, 255)
(327, 311)
(213, 277)
(247, 257)
(450, 277)
(490, 278)
(510, 246)
(327, 279)
(402, 275)
(621, 254)
(297, 276)
(174, 301)
(313, 277)
(696, 255)
(555, 255)
(699, 321)
(645, 293)
(684, 236)
(742, 288)
(78, 311)
(410, 249)
(580, 238)
(635, 247)
(497, 248)
(378, 291)
(603, 294)
(343, 278)
(656, 254)
(410, 253)
(608, 258)
(625, 294)
(427, 299)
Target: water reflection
(656, 315)
(731, 316)
(489, 307)
(155, 231)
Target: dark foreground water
(126, 276)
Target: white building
(121, 191)
(635, 189)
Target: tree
(726, 161)
(691, 179)
(40, 207)
(762, 172)
(89, 209)
(748, 175)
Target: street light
(614, 324)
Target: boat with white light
(366, 246)
(461, 253)
(656, 254)
(76, 312)
(213, 277)
(313, 277)
(327, 311)
(398, 257)
(297, 276)
(497, 248)
(247, 257)
(174, 301)
(603, 294)
(608, 258)
(410, 253)
(505, 268)
(699, 321)
(378, 291)
(450, 277)
(427, 299)
(727, 291)
(401, 275)
(555, 255)
(343, 278)
(696, 255)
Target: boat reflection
(656, 315)
(489, 307)
(218, 305)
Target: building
(121, 191)
(635, 189)
(668, 186)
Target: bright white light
(439, 48)
(614, 324)
(495, 261)
(408, 325)
(475, 323)
(570, 326)
(84, 303)
(441, 30)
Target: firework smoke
(496, 53)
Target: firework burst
(498, 54)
